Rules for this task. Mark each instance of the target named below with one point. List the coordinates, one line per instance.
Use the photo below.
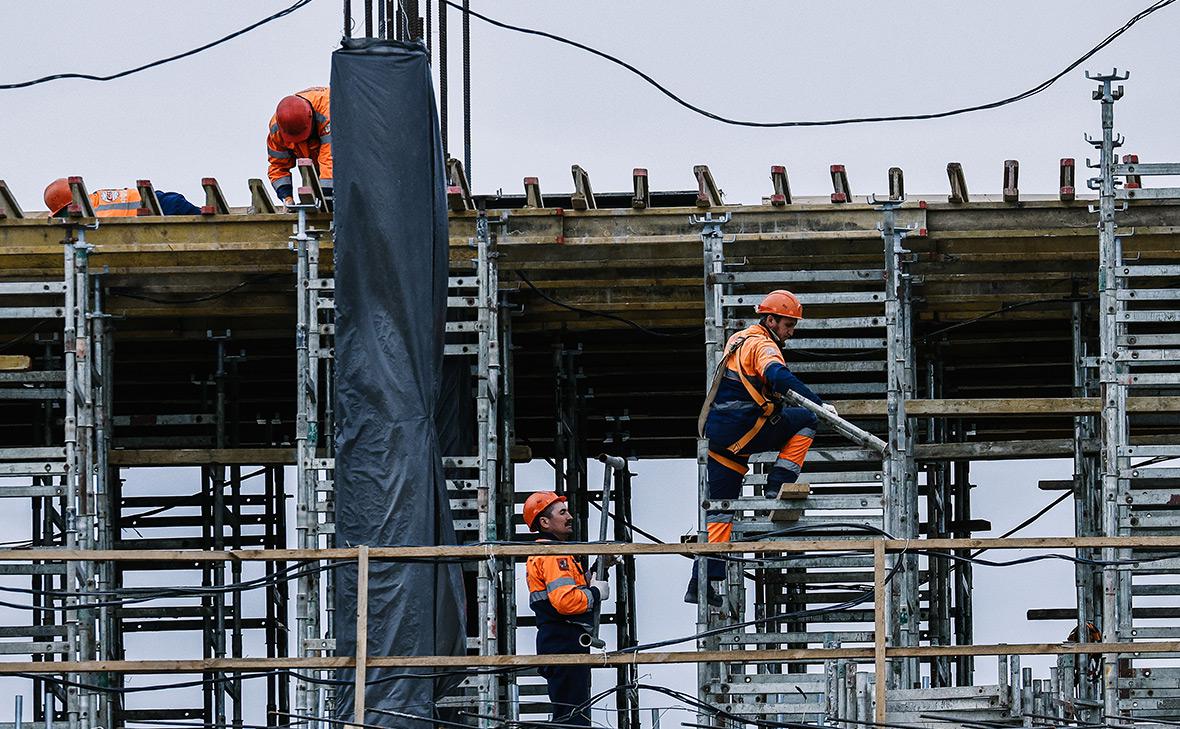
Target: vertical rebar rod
(442, 74)
(467, 92)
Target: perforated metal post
(311, 638)
(901, 489)
(712, 240)
(487, 417)
(1114, 407)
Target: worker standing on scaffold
(564, 603)
(743, 414)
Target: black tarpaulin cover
(391, 285)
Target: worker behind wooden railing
(116, 202)
(564, 603)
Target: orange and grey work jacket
(122, 202)
(558, 591)
(749, 383)
(317, 147)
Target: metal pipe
(840, 425)
(610, 465)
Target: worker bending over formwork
(301, 128)
(744, 414)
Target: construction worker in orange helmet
(117, 202)
(564, 603)
(301, 128)
(744, 414)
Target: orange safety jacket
(752, 374)
(123, 202)
(317, 147)
(558, 591)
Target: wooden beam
(203, 457)
(955, 407)
(865, 544)
(362, 633)
(15, 362)
(880, 664)
(811, 655)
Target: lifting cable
(1158, 5)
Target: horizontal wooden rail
(579, 659)
(525, 549)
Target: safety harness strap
(756, 395)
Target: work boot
(713, 598)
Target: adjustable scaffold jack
(613, 464)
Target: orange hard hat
(293, 116)
(58, 195)
(782, 303)
(537, 503)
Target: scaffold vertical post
(307, 603)
(1114, 426)
(901, 490)
(487, 416)
(712, 240)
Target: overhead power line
(111, 77)
(1158, 5)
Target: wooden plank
(788, 492)
(812, 655)
(529, 549)
(362, 633)
(202, 457)
(15, 362)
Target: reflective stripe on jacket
(317, 147)
(558, 591)
(121, 202)
(760, 359)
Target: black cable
(111, 77)
(1030, 520)
(605, 315)
(196, 299)
(135, 595)
(18, 338)
(1158, 5)
(1005, 309)
(863, 597)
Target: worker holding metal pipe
(565, 604)
(301, 128)
(744, 414)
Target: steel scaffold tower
(1139, 309)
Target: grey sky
(539, 107)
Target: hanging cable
(1160, 4)
(605, 315)
(111, 77)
